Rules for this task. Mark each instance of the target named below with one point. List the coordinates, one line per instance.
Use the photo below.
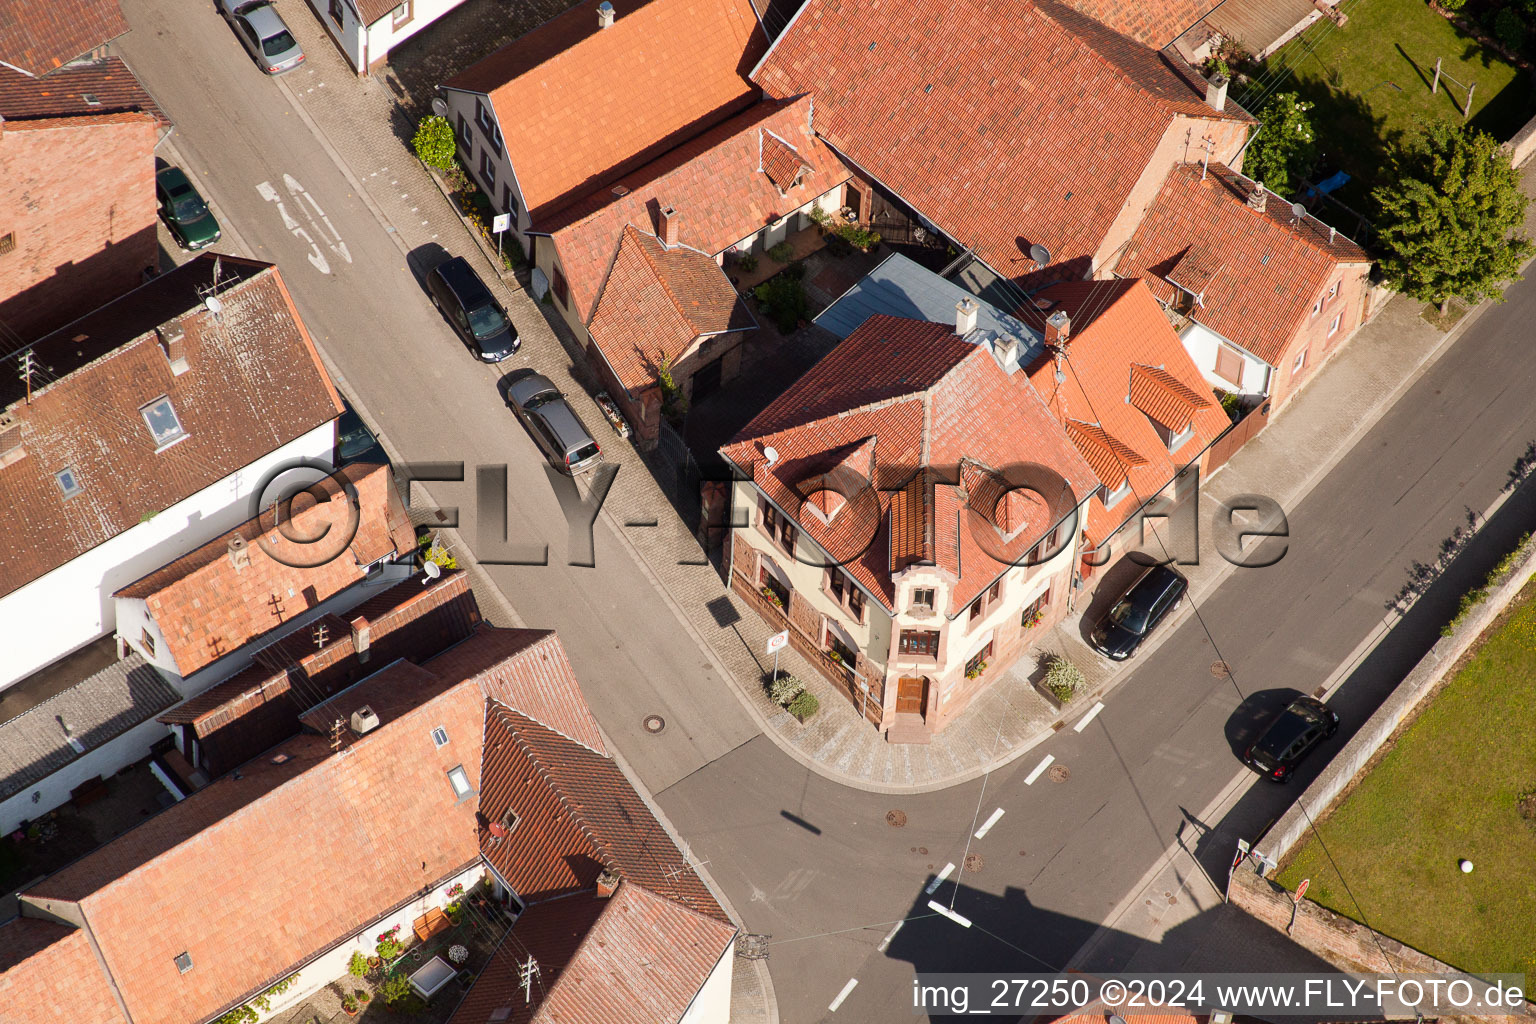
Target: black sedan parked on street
(1291, 736)
(1155, 593)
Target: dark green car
(184, 211)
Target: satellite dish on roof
(214, 305)
(1040, 254)
(771, 454)
(439, 106)
(1298, 211)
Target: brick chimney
(1216, 92)
(668, 227)
(1058, 328)
(1258, 197)
(173, 343)
(361, 637)
(239, 552)
(965, 316)
(607, 883)
(604, 14)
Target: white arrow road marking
(298, 192)
(316, 257)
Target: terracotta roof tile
(657, 304)
(273, 853)
(715, 183)
(206, 607)
(37, 36)
(49, 974)
(928, 398)
(1164, 397)
(580, 106)
(1273, 266)
(576, 815)
(1004, 130)
(1155, 23)
(1117, 332)
(781, 162)
(633, 958)
(254, 383)
(63, 93)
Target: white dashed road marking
(939, 880)
(1093, 712)
(843, 994)
(986, 826)
(885, 943)
(1039, 770)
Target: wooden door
(911, 695)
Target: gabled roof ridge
(576, 813)
(549, 639)
(657, 271)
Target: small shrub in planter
(785, 689)
(783, 252)
(457, 178)
(361, 996)
(358, 965)
(804, 705)
(434, 143)
(396, 989)
(349, 1004)
(860, 238)
(747, 263)
(783, 299)
(1063, 679)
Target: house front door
(911, 695)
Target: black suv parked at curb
(1291, 736)
(1155, 593)
(469, 306)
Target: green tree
(434, 142)
(1449, 221)
(1286, 145)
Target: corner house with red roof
(478, 765)
(633, 153)
(913, 508)
(1105, 361)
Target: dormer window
(922, 599)
(1111, 498)
(163, 424)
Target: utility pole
(1466, 111)
(25, 370)
(528, 971)
(1435, 86)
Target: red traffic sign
(1301, 890)
(778, 641)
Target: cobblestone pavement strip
(362, 120)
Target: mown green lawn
(1370, 79)
(1448, 789)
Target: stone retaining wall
(1523, 144)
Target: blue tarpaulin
(1329, 184)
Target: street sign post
(777, 643)
(1301, 890)
(501, 222)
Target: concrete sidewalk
(360, 121)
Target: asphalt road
(813, 863)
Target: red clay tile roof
(1164, 397)
(1003, 128)
(657, 304)
(260, 707)
(254, 383)
(580, 106)
(37, 36)
(577, 815)
(782, 162)
(206, 608)
(928, 398)
(1272, 266)
(1119, 334)
(633, 958)
(716, 183)
(1155, 23)
(273, 854)
(63, 92)
(48, 974)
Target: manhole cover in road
(974, 862)
(1220, 670)
(1059, 773)
(654, 724)
(896, 819)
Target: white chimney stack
(605, 15)
(239, 552)
(1216, 92)
(965, 316)
(1258, 198)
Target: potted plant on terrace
(349, 1005)
(389, 944)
